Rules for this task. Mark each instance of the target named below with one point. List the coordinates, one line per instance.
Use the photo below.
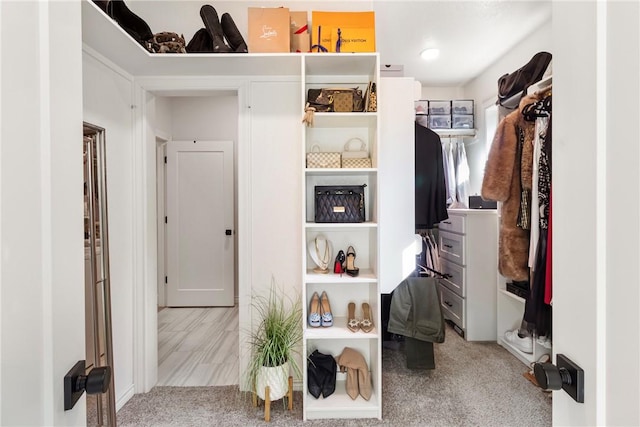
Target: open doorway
(198, 343)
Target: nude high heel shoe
(314, 311)
(366, 324)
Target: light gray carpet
(474, 384)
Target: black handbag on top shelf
(339, 203)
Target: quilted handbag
(339, 203)
(358, 158)
(318, 159)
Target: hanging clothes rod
(443, 275)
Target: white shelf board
(365, 276)
(344, 120)
(103, 35)
(525, 358)
(339, 330)
(340, 405)
(542, 84)
(455, 132)
(339, 225)
(511, 295)
(340, 171)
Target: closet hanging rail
(442, 275)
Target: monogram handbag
(318, 159)
(339, 203)
(355, 158)
(336, 99)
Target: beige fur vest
(502, 183)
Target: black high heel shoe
(338, 265)
(351, 268)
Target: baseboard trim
(126, 396)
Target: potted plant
(274, 344)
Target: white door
(200, 264)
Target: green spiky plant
(276, 338)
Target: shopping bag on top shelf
(358, 27)
(300, 37)
(269, 29)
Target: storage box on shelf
(459, 121)
(330, 132)
(439, 107)
(462, 106)
(439, 122)
(468, 249)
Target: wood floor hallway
(198, 346)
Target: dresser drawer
(455, 223)
(452, 306)
(452, 247)
(457, 280)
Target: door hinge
(165, 159)
(165, 219)
(165, 280)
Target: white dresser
(468, 243)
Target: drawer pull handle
(448, 246)
(447, 222)
(448, 303)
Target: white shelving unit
(330, 132)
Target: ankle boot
(314, 384)
(212, 23)
(200, 43)
(232, 34)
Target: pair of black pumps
(321, 374)
(346, 263)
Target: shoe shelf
(340, 404)
(339, 330)
(365, 276)
(510, 309)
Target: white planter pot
(277, 378)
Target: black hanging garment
(430, 192)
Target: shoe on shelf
(367, 322)
(524, 344)
(352, 323)
(338, 265)
(325, 311)
(351, 268)
(314, 311)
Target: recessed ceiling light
(430, 53)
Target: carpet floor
(473, 384)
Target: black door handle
(227, 232)
(76, 382)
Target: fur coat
(503, 176)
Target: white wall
(108, 100)
(484, 90)
(596, 209)
(41, 267)
(443, 93)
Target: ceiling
(471, 35)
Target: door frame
(161, 142)
(145, 357)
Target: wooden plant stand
(267, 400)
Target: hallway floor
(198, 346)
